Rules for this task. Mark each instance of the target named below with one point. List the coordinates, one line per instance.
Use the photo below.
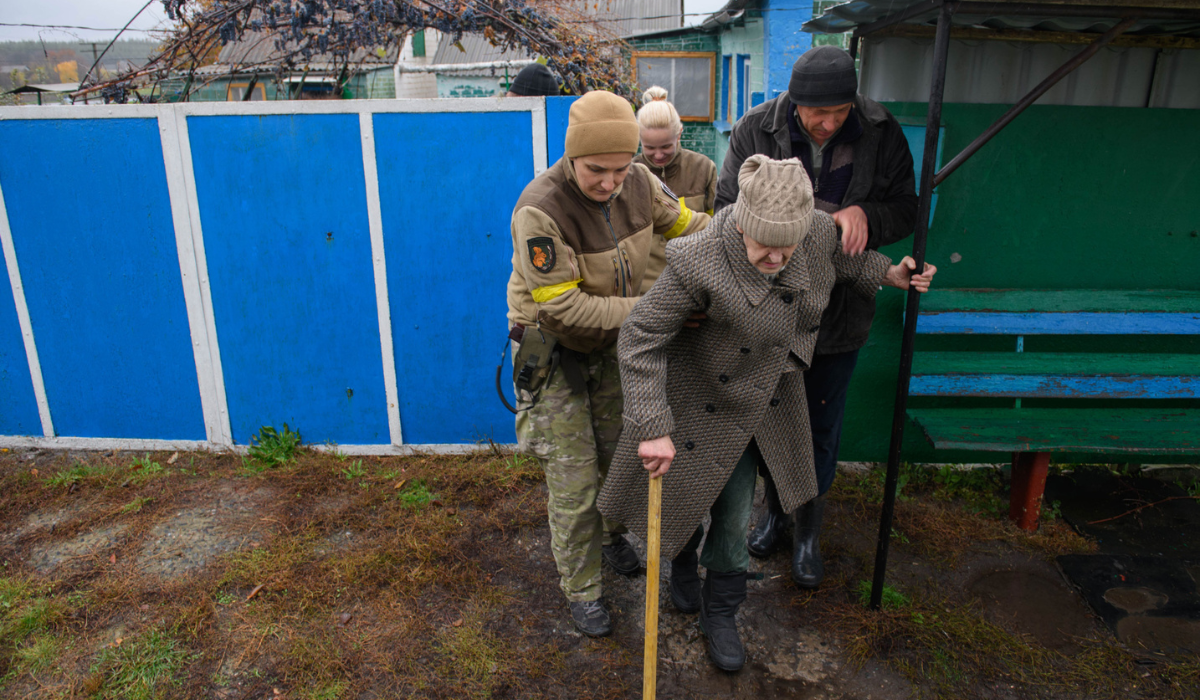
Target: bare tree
(345, 32)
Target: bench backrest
(1058, 375)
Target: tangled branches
(346, 31)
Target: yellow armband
(681, 224)
(552, 291)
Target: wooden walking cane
(653, 521)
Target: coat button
(710, 408)
(723, 378)
(814, 329)
(745, 351)
(774, 402)
(787, 298)
(690, 445)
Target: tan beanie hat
(601, 122)
(775, 201)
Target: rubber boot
(771, 526)
(807, 568)
(685, 582)
(720, 597)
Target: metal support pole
(854, 39)
(941, 47)
(1041, 89)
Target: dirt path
(204, 576)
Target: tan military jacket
(693, 178)
(578, 265)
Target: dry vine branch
(343, 32)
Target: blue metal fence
(184, 274)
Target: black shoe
(685, 583)
(621, 556)
(807, 568)
(591, 618)
(720, 597)
(772, 525)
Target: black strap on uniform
(500, 370)
(572, 372)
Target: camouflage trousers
(574, 437)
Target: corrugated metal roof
(475, 49)
(842, 18)
(898, 69)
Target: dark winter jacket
(883, 184)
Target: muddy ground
(213, 576)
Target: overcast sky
(109, 15)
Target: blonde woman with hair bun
(691, 176)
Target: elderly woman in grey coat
(730, 393)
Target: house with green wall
(738, 57)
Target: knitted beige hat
(601, 122)
(775, 201)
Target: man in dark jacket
(862, 174)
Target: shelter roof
(45, 87)
(1178, 18)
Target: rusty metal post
(1029, 470)
(941, 48)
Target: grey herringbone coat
(739, 375)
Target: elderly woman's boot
(720, 597)
(771, 526)
(807, 568)
(685, 582)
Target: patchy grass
(144, 469)
(891, 599)
(416, 495)
(80, 473)
(136, 505)
(411, 577)
(943, 513)
(274, 448)
(146, 667)
(950, 651)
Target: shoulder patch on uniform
(541, 253)
(670, 194)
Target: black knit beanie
(822, 77)
(534, 80)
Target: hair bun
(655, 94)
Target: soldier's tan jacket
(578, 265)
(692, 177)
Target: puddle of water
(1166, 634)
(1136, 599)
(1033, 604)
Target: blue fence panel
(446, 218)
(283, 205)
(915, 135)
(18, 405)
(557, 111)
(91, 221)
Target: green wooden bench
(1162, 386)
